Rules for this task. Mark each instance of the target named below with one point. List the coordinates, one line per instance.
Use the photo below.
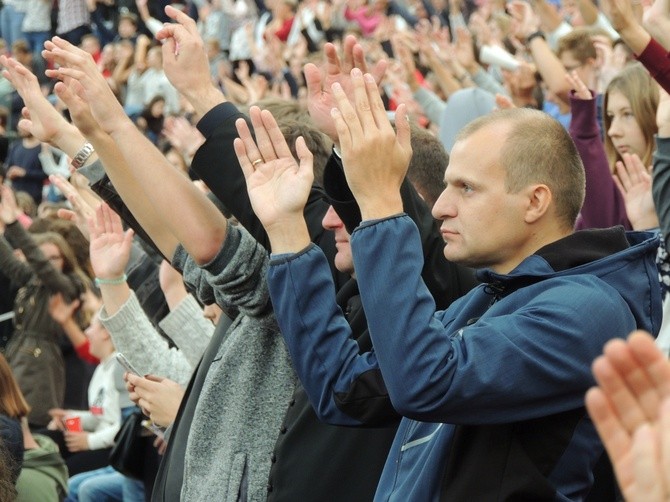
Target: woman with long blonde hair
(629, 121)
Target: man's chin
(344, 264)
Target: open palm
(110, 245)
(278, 185)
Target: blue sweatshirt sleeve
(324, 354)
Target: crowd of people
(339, 250)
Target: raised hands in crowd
(630, 406)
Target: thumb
(306, 158)
(154, 378)
(64, 93)
(128, 237)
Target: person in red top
(283, 14)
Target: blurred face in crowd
(624, 131)
(155, 58)
(53, 255)
(98, 338)
(90, 45)
(586, 70)
(127, 28)
(344, 261)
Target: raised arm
(624, 21)
(131, 331)
(195, 221)
(19, 238)
(661, 173)
(603, 205)
(547, 63)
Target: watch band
(82, 155)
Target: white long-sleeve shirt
(106, 395)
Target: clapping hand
(375, 157)
(320, 99)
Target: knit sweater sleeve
(136, 338)
(234, 279)
(188, 329)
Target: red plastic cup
(73, 424)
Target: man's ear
(539, 199)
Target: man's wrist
(380, 207)
(205, 99)
(533, 35)
(289, 235)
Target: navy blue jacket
(492, 389)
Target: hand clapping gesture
(375, 157)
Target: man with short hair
(491, 388)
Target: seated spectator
(43, 474)
(23, 167)
(49, 267)
(88, 448)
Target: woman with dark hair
(48, 267)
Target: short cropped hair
(579, 43)
(538, 149)
(293, 119)
(427, 166)
(317, 142)
(287, 109)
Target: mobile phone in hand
(121, 359)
